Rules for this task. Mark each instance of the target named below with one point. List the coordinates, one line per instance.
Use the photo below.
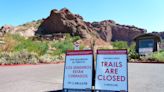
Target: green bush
(16, 43)
(57, 52)
(22, 45)
(132, 52)
(32, 46)
(64, 45)
(157, 56)
(67, 44)
(38, 47)
(81, 47)
(68, 37)
(120, 45)
(17, 37)
(75, 38)
(124, 45)
(19, 50)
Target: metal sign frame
(115, 52)
(78, 52)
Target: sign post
(78, 71)
(111, 71)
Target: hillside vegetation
(17, 49)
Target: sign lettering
(111, 71)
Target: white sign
(111, 70)
(76, 46)
(143, 51)
(78, 70)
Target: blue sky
(147, 14)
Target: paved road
(146, 77)
(34, 78)
(41, 78)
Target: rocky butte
(63, 21)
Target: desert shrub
(23, 57)
(157, 56)
(104, 48)
(38, 47)
(17, 37)
(15, 42)
(132, 52)
(57, 52)
(75, 38)
(81, 47)
(6, 58)
(47, 58)
(67, 44)
(68, 37)
(124, 45)
(26, 57)
(9, 43)
(72, 38)
(120, 45)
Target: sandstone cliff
(109, 30)
(161, 34)
(63, 21)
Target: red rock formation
(64, 21)
(109, 30)
(125, 33)
(102, 28)
(161, 34)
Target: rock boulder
(64, 21)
